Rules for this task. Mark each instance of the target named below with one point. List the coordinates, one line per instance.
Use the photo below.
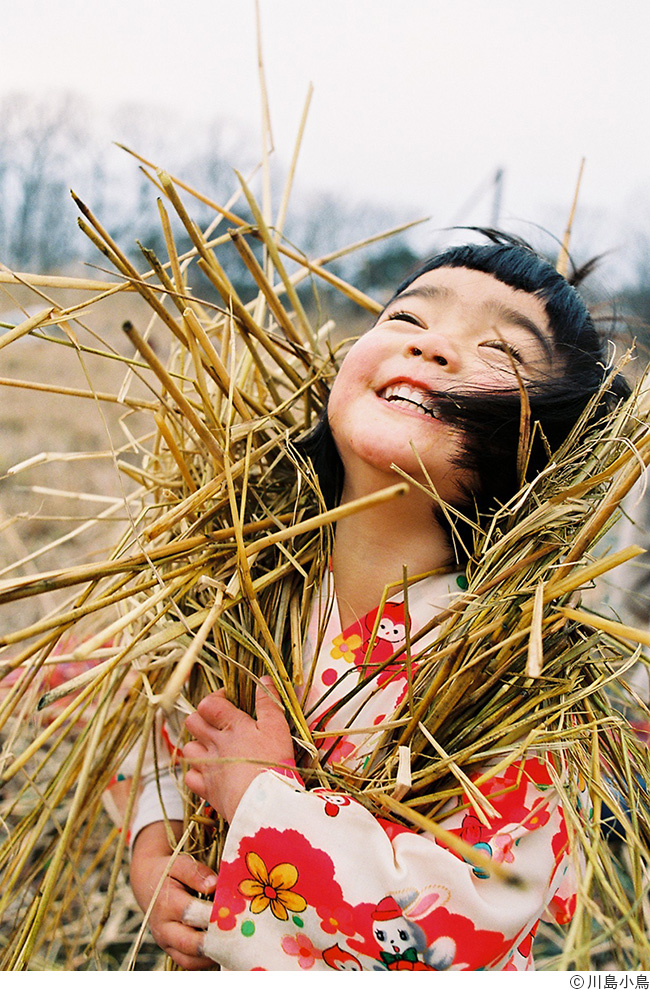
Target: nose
(435, 346)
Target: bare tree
(52, 144)
(40, 143)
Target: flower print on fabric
(301, 946)
(311, 870)
(352, 655)
(357, 645)
(272, 888)
(563, 905)
(227, 908)
(355, 914)
(344, 647)
(340, 920)
(502, 844)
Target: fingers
(217, 711)
(196, 783)
(266, 695)
(196, 752)
(179, 920)
(198, 757)
(191, 962)
(165, 889)
(194, 875)
(268, 707)
(184, 945)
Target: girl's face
(451, 329)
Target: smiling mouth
(409, 397)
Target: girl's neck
(373, 547)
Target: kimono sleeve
(159, 791)
(310, 879)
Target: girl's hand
(178, 920)
(232, 748)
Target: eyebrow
(516, 319)
(424, 292)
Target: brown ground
(58, 429)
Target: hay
(211, 585)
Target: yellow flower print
(343, 647)
(272, 889)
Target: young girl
(309, 878)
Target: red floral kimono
(311, 880)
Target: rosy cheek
(342, 392)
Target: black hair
(489, 421)
(514, 262)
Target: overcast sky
(416, 102)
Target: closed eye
(501, 345)
(406, 318)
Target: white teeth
(409, 393)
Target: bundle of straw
(207, 585)
(212, 584)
